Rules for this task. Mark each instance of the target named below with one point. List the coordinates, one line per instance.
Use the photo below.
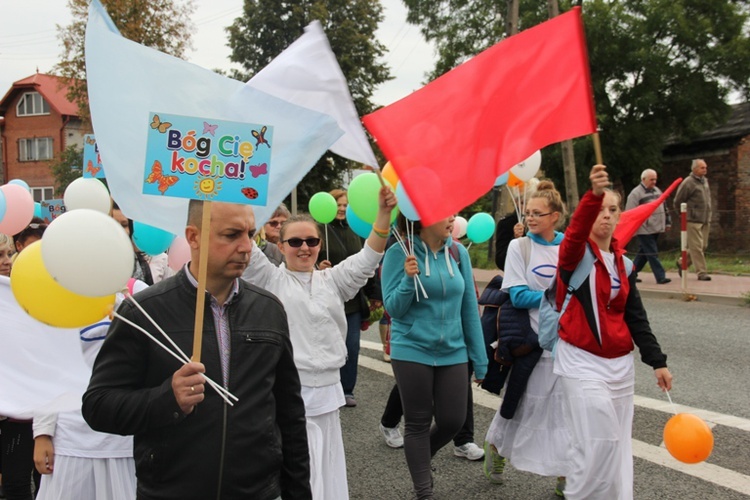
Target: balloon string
(326, 228)
(674, 407)
(221, 390)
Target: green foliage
(66, 168)
(267, 28)
(161, 24)
(661, 69)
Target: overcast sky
(28, 40)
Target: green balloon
(480, 228)
(323, 207)
(363, 196)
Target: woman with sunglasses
(314, 303)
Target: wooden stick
(597, 148)
(200, 299)
(380, 176)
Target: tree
(161, 24)
(267, 28)
(66, 168)
(660, 68)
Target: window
(35, 149)
(32, 103)
(43, 193)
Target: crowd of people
(257, 416)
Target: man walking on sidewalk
(695, 192)
(648, 234)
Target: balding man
(648, 233)
(190, 444)
(695, 192)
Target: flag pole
(597, 148)
(200, 299)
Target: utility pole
(500, 194)
(568, 155)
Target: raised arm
(381, 227)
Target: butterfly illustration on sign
(207, 187)
(209, 129)
(90, 168)
(260, 137)
(249, 193)
(90, 140)
(157, 176)
(258, 170)
(157, 124)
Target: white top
(573, 362)
(539, 274)
(71, 435)
(314, 306)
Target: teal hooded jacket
(444, 328)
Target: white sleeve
(260, 271)
(350, 275)
(44, 425)
(515, 266)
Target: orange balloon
(514, 181)
(389, 174)
(688, 438)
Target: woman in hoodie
(433, 338)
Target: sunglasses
(273, 223)
(297, 242)
(36, 225)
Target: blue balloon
(38, 210)
(405, 204)
(502, 180)
(20, 183)
(480, 228)
(150, 239)
(3, 205)
(360, 227)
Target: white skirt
(536, 438)
(327, 458)
(89, 479)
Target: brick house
(37, 122)
(726, 150)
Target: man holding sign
(190, 443)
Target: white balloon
(88, 253)
(87, 193)
(459, 227)
(529, 167)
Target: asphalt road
(708, 347)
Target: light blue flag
(128, 83)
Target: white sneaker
(392, 436)
(469, 451)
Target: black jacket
(254, 449)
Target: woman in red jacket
(603, 319)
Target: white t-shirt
(573, 362)
(537, 276)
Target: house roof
(51, 88)
(737, 125)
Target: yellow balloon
(46, 300)
(389, 174)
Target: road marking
(659, 455)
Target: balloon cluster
(517, 178)
(69, 279)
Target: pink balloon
(178, 253)
(19, 209)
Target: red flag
(451, 139)
(631, 220)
